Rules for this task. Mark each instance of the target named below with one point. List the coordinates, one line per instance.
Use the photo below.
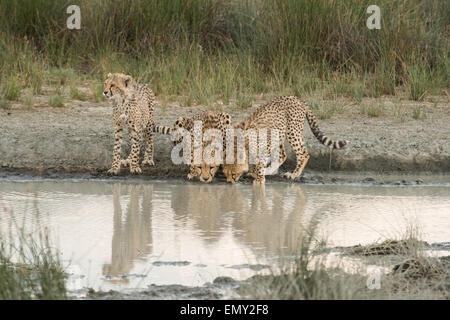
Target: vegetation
(229, 50)
(30, 269)
(415, 276)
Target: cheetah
(286, 114)
(133, 106)
(210, 120)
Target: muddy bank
(79, 139)
(413, 278)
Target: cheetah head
(116, 83)
(209, 166)
(234, 171)
(208, 171)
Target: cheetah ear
(109, 75)
(127, 80)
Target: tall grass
(227, 49)
(30, 269)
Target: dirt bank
(78, 139)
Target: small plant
(372, 110)
(61, 76)
(398, 112)
(5, 105)
(419, 114)
(325, 110)
(11, 89)
(76, 94)
(28, 100)
(97, 93)
(187, 101)
(57, 100)
(358, 91)
(419, 80)
(244, 101)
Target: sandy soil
(78, 139)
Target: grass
(419, 82)
(76, 94)
(11, 89)
(97, 92)
(415, 276)
(419, 114)
(57, 99)
(5, 105)
(30, 269)
(230, 50)
(28, 100)
(373, 110)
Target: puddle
(123, 236)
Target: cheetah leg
(135, 137)
(259, 169)
(258, 174)
(148, 156)
(283, 155)
(118, 135)
(301, 155)
(281, 158)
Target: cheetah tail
(162, 129)
(312, 120)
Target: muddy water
(129, 235)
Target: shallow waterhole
(117, 235)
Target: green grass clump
(5, 105)
(30, 269)
(11, 89)
(419, 82)
(419, 114)
(97, 92)
(76, 94)
(57, 99)
(372, 110)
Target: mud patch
(387, 247)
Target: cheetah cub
(133, 106)
(286, 114)
(206, 170)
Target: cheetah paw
(289, 175)
(148, 162)
(135, 170)
(190, 176)
(113, 170)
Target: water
(129, 235)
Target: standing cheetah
(205, 170)
(287, 115)
(133, 106)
